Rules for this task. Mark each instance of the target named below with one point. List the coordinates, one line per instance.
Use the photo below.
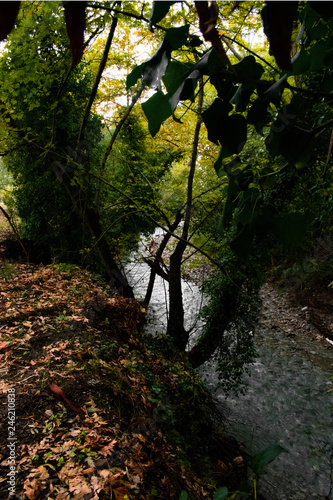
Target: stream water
(286, 402)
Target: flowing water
(287, 401)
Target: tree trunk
(176, 329)
(158, 256)
(205, 347)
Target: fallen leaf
(106, 450)
(32, 489)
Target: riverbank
(98, 411)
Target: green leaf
(157, 109)
(258, 115)
(155, 67)
(176, 73)
(134, 76)
(266, 456)
(300, 63)
(242, 96)
(177, 37)
(274, 92)
(221, 493)
(158, 11)
(183, 495)
(214, 118)
(324, 9)
(248, 69)
(233, 133)
(197, 70)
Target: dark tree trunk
(204, 348)
(175, 327)
(155, 265)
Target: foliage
(230, 316)
(130, 195)
(289, 130)
(33, 106)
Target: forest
(194, 139)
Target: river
(288, 399)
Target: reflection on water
(286, 401)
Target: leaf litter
(86, 420)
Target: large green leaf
(152, 71)
(275, 91)
(158, 11)
(300, 63)
(294, 143)
(264, 457)
(242, 96)
(176, 73)
(214, 118)
(224, 85)
(134, 76)
(229, 131)
(324, 9)
(248, 69)
(177, 37)
(183, 495)
(197, 70)
(258, 114)
(157, 109)
(221, 493)
(232, 133)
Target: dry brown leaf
(120, 493)
(32, 489)
(79, 486)
(106, 450)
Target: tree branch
(98, 78)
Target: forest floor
(88, 409)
